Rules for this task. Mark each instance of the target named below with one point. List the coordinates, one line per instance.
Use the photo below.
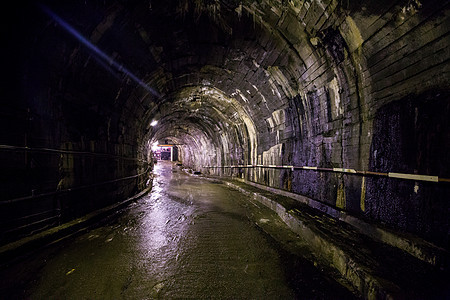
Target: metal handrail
(416, 177)
(61, 151)
(72, 189)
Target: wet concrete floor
(189, 238)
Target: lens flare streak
(97, 51)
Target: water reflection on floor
(189, 238)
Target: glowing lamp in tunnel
(155, 146)
(153, 123)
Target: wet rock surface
(189, 238)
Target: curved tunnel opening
(343, 104)
(209, 126)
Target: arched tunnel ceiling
(226, 70)
(209, 59)
(216, 52)
(337, 89)
(309, 83)
(213, 64)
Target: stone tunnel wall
(366, 104)
(411, 136)
(330, 84)
(51, 176)
(63, 152)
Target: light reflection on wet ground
(189, 238)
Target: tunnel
(342, 106)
